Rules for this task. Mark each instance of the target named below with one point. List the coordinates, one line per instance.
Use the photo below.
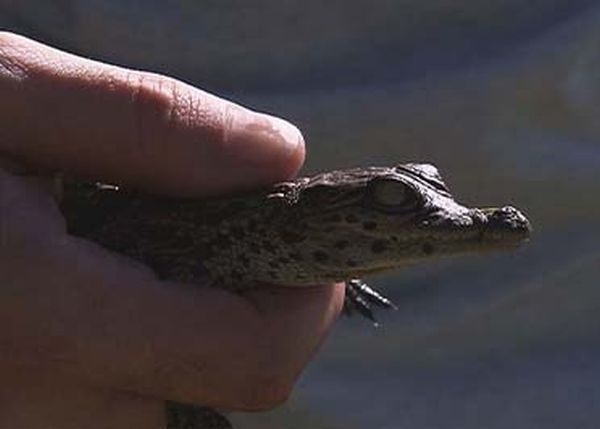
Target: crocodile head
(350, 223)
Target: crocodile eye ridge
(391, 195)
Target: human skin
(92, 339)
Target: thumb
(62, 112)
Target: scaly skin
(335, 226)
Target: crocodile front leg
(360, 298)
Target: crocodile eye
(392, 195)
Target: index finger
(62, 112)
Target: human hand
(74, 314)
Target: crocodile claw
(360, 298)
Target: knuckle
(267, 393)
(13, 57)
(151, 93)
(153, 101)
(165, 110)
(254, 383)
(271, 382)
(265, 384)
(266, 381)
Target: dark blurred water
(502, 95)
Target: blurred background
(502, 95)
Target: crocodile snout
(504, 224)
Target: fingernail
(259, 138)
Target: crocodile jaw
(450, 231)
(476, 230)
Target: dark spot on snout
(237, 233)
(351, 219)
(320, 256)
(369, 226)
(428, 249)
(341, 244)
(290, 237)
(334, 218)
(379, 246)
(221, 241)
(244, 260)
(268, 246)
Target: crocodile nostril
(510, 218)
(508, 211)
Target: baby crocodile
(335, 226)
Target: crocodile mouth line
(481, 236)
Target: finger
(72, 309)
(60, 111)
(317, 307)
